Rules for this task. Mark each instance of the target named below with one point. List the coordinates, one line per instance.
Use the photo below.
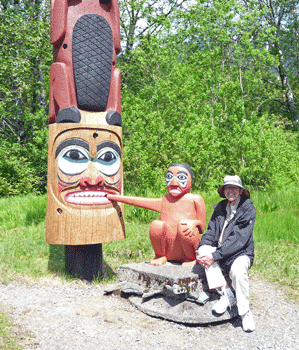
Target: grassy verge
(277, 237)
(8, 341)
(23, 249)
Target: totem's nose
(92, 177)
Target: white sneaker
(248, 322)
(226, 301)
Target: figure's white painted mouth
(87, 198)
(174, 190)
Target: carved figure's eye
(107, 157)
(182, 179)
(75, 155)
(73, 160)
(108, 161)
(169, 177)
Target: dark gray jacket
(238, 234)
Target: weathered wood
(75, 224)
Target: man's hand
(206, 261)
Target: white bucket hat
(232, 180)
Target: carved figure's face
(88, 165)
(178, 181)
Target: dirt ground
(50, 314)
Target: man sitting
(230, 239)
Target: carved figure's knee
(157, 228)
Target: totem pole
(85, 133)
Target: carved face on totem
(88, 166)
(85, 164)
(178, 180)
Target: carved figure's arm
(116, 36)
(59, 9)
(200, 212)
(154, 204)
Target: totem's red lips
(89, 197)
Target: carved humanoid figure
(176, 235)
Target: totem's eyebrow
(169, 171)
(71, 142)
(183, 172)
(109, 144)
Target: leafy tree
(281, 16)
(25, 56)
(197, 97)
(141, 18)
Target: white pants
(240, 282)
(238, 274)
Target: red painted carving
(176, 235)
(64, 15)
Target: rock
(181, 279)
(171, 292)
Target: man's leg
(240, 282)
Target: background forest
(210, 83)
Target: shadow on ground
(56, 265)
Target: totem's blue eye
(108, 161)
(73, 160)
(75, 155)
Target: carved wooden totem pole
(85, 134)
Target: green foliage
(25, 56)
(195, 109)
(23, 166)
(200, 85)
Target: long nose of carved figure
(92, 178)
(174, 182)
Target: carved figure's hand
(188, 227)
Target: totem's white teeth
(87, 198)
(175, 191)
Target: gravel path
(73, 315)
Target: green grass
(24, 252)
(8, 341)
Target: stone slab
(178, 307)
(183, 311)
(151, 276)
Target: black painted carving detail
(69, 115)
(113, 118)
(92, 60)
